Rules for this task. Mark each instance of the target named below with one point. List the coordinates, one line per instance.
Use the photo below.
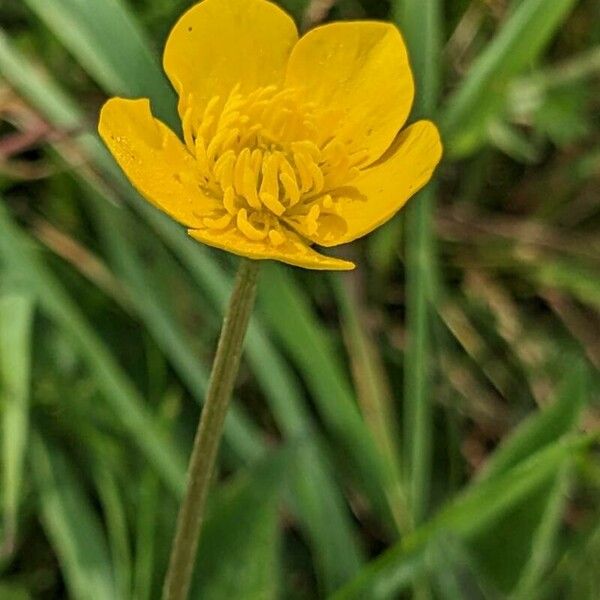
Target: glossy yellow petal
(218, 44)
(360, 70)
(292, 251)
(383, 189)
(154, 159)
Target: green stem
(210, 430)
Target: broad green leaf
(239, 546)
(481, 96)
(502, 550)
(468, 515)
(16, 316)
(72, 526)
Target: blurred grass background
(424, 427)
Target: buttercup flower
(287, 142)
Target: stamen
(186, 124)
(327, 201)
(249, 188)
(268, 155)
(311, 219)
(229, 201)
(317, 177)
(276, 238)
(247, 228)
(223, 168)
(270, 184)
(218, 223)
(272, 204)
(303, 170)
(201, 155)
(291, 188)
(215, 144)
(240, 167)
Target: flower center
(270, 158)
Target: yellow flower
(287, 142)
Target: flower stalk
(210, 430)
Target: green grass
(424, 427)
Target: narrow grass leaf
(544, 427)
(577, 279)
(374, 397)
(115, 517)
(482, 94)
(118, 390)
(16, 317)
(111, 46)
(116, 228)
(421, 23)
(287, 310)
(468, 515)
(454, 571)
(543, 544)
(72, 526)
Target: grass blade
(469, 514)
(287, 310)
(111, 46)
(72, 526)
(543, 428)
(374, 396)
(543, 542)
(115, 516)
(16, 316)
(118, 390)
(421, 23)
(481, 96)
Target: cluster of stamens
(270, 159)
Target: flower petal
(383, 189)
(360, 69)
(293, 251)
(154, 159)
(218, 44)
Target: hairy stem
(210, 430)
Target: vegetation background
(424, 427)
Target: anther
(247, 228)
(272, 204)
(229, 201)
(276, 238)
(218, 223)
(311, 219)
